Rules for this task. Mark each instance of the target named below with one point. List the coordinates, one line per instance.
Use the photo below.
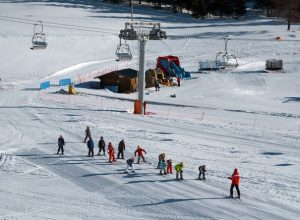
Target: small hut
(121, 81)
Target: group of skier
(165, 166)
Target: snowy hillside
(245, 118)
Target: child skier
(111, 153)
(87, 134)
(129, 163)
(160, 158)
(101, 146)
(90, 145)
(61, 143)
(140, 151)
(156, 84)
(162, 166)
(202, 170)
(121, 149)
(169, 166)
(235, 181)
(179, 170)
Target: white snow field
(246, 118)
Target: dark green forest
(222, 8)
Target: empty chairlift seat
(38, 38)
(123, 52)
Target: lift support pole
(141, 79)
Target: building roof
(131, 73)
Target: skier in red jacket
(140, 151)
(169, 166)
(235, 181)
(111, 153)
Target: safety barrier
(45, 85)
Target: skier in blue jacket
(162, 166)
(90, 145)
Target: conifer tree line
(222, 8)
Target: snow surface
(245, 118)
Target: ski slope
(244, 118)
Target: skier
(179, 170)
(202, 170)
(162, 166)
(90, 145)
(61, 143)
(140, 151)
(235, 181)
(121, 149)
(87, 134)
(111, 153)
(169, 166)
(129, 163)
(160, 158)
(178, 81)
(101, 146)
(156, 84)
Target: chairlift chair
(123, 52)
(38, 38)
(156, 33)
(225, 59)
(128, 33)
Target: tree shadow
(270, 153)
(150, 181)
(168, 201)
(284, 164)
(291, 99)
(99, 174)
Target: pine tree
(239, 8)
(199, 9)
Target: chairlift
(38, 38)
(128, 33)
(225, 59)
(156, 33)
(123, 52)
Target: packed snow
(244, 118)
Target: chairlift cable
(62, 24)
(55, 25)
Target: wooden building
(121, 81)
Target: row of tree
(199, 8)
(234, 8)
(287, 9)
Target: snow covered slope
(242, 118)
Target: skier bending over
(129, 163)
(179, 170)
(162, 166)
(169, 167)
(61, 143)
(202, 170)
(235, 181)
(160, 158)
(140, 151)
